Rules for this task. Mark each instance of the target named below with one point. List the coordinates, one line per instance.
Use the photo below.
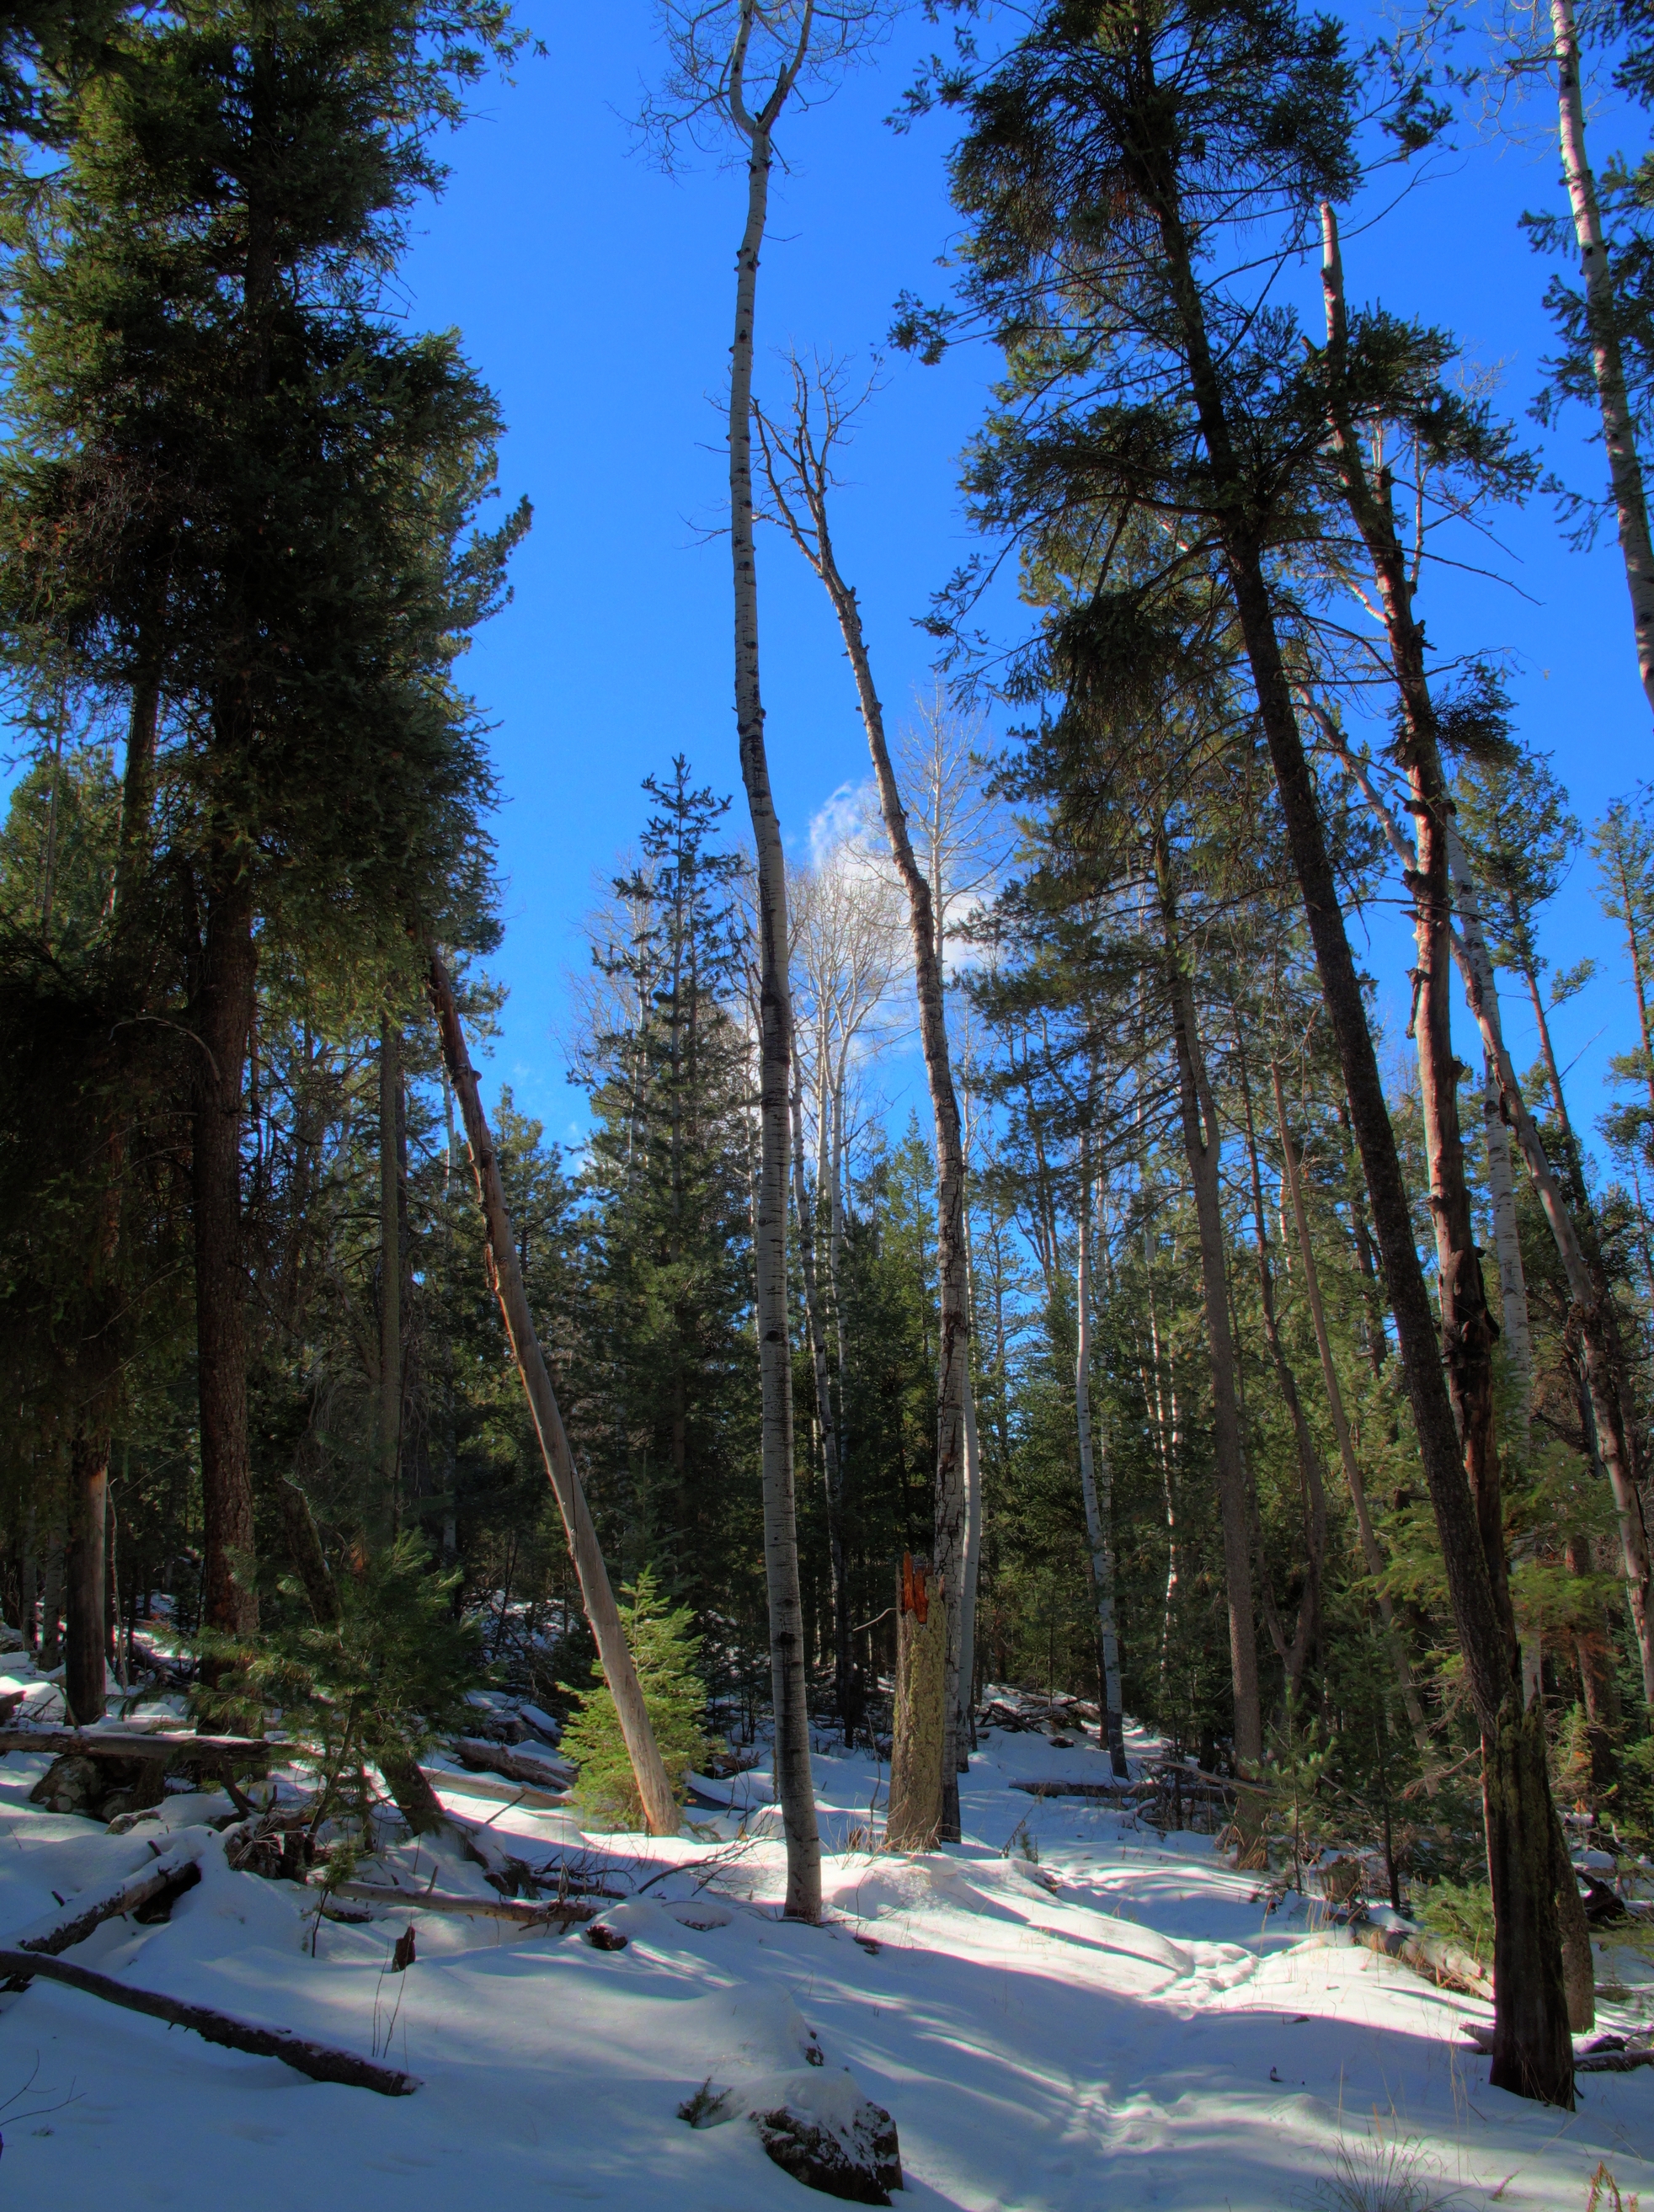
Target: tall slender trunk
(1533, 2053)
(1202, 1147)
(1097, 1496)
(1532, 2017)
(1602, 325)
(505, 1279)
(222, 1024)
(788, 1664)
(804, 1204)
(390, 1263)
(952, 1558)
(1591, 1313)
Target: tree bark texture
(659, 1805)
(1202, 1147)
(917, 1777)
(1601, 323)
(795, 1786)
(86, 1642)
(222, 1023)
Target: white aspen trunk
(972, 1565)
(952, 1385)
(506, 1279)
(795, 1786)
(1098, 1498)
(1371, 1551)
(1618, 431)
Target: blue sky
(594, 294)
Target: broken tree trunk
(915, 1819)
(659, 1805)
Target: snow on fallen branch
(516, 1910)
(170, 1874)
(318, 2060)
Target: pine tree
(665, 1649)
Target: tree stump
(918, 1732)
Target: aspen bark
(1602, 325)
(951, 1534)
(794, 1788)
(659, 1805)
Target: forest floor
(1121, 2023)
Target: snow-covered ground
(1120, 2024)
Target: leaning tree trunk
(1096, 1497)
(952, 1538)
(222, 1023)
(794, 1787)
(1533, 2052)
(1590, 1298)
(506, 1279)
(1602, 327)
(1202, 1145)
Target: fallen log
(1444, 1964)
(484, 1785)
(1078, 1788)
(318, 2060)
(517, 1910)
(1609, 2054)
(543, 1773)
(168, 1876)
(186, 1748)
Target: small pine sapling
(370, 1688)
(665, 1652)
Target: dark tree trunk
(85, 1640)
